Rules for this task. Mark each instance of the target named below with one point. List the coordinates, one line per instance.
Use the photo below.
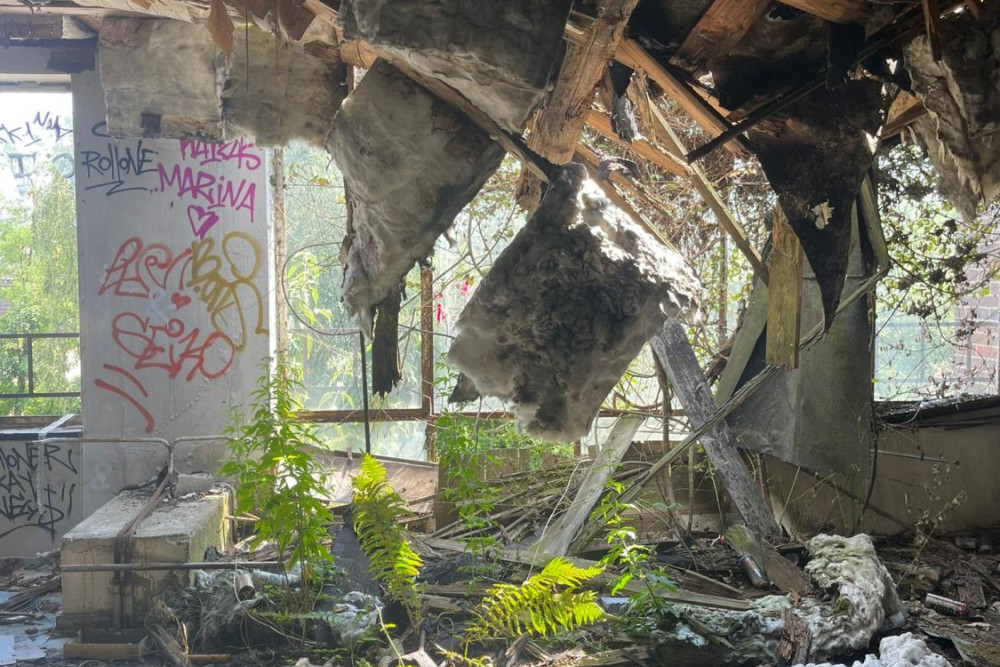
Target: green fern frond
(377, 510)
(546, 603)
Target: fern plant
(547, 602)
(377, 510)
(276, 476)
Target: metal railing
(29, 352)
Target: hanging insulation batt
(411, 162)
(566, 308)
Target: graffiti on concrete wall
(162, 295)
(183, 301)
(38, 486)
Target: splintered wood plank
(672, 347)
(559, 125)
(838, 11)
(557, 539)
(720, 28)
(782, 573)
(784, 297)
(168, 9)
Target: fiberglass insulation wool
(566, 308)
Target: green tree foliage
(38, 263)
(277, 478)
(546, 603)
(377, 511)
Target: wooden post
(671, 346)
(784, 294)
(427, 357)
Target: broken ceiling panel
(500, 55)
(279, 93)
(161, 78)
(962, 95)
(815, 157)
(566, 308)
(411, 162)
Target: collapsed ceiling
(806, 85)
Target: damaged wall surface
(567, 306)
(944, 467)
(819, 415)
(411, 163)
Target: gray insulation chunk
(411, 162)
(862, 597)
(500, 55)
(166, 78)
(278, 93)
(566, 308)
(962, 95)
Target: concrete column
(175, 282)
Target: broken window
(39, 311)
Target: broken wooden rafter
(632, 54)
(168, 9)
(559, 124)
(726, 220)
(718, 30)
(672, 347)
(643, 148)
(535, 558)
(837, 11)
(557, 539)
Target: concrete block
(177, 531)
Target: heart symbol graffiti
(201, 220)
(179, 300)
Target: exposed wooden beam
(672, 347)
(559, 124)
(905, 109)
(719, 29)
(726, 220)
(838, 11)
(932, 22)
(602, 124)
(632, 54)
(168, 9)
(557, 539)
(784, 295)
